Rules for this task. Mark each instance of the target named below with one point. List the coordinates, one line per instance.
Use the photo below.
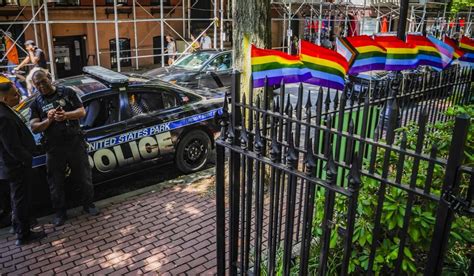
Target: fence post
(234, 183)
(220, 191)
(445, 212)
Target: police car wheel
(193, 151)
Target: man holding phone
(56, 113)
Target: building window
(157, 3)
(125, 53)
(66, 3)
(119, 2)
(8, 3)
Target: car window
(101, 112)
(221, 63)
(149, 102)
(194, 61)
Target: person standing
(170, 49)
(194, 44)
(56, 113)
(205, 42)
(16, 155)
(37, 57)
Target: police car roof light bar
(105, 74)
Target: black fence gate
(333, 182)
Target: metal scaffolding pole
(34, 20)
(468, 29)
(288, 34)
(363, 18)
(215, 25)
(135, 33)
(221, 10)
(162, 36)
(96, 33)
(402, 21)
(189, 17)
(184, 16)
(320, 21)
(117, 45)
(52, 64)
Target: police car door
(102, 126)
(148, 133)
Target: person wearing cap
(35, 56)
(16, 154)
(56, 113)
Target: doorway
(70, 55)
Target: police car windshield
(194, 61)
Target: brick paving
(170, 232)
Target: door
(70, 55)
(103, 126)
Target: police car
(132, 123)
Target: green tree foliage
(457, 5)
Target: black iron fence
(370, 180)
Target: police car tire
(193, 136)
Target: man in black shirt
(16, 155)
(56, 113)
(37, 57)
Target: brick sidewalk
(170, 232)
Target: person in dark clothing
(16, 155)
(36, 57)
(56, 113)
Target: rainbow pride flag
(444, 49)
(327, 67)
(457, 51)
(467, 45)
(369, 55)
(276, 66)
(400, 55)
(428, 54)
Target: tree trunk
(251, 25)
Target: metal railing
(300, 175)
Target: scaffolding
(423, 13)
(40, 8)
(284, 12)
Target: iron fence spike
(354, 173)
(230, 134)
(310, 160)
(336, 101)
(331, 168)
(288, 104)
(308, 104)
(275, 151)
(258, 143)
(291, 155)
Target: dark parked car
(132, 124)
(202, 69)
